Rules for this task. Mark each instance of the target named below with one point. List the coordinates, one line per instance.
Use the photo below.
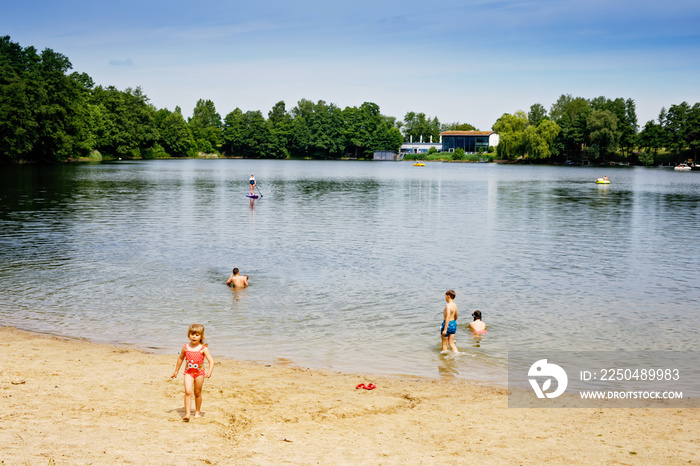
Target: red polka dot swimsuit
(195, 361)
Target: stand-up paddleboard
(252, 196)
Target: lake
(349, 261)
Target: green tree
(389, 137)
(417, 126)
(510, 130)
(42, 110)
(256, 137)
(458, 127)
(232, 133)
(357, 131)
(651, 139)
(125, 121)
(280, 122)
(603, 132)
(677, 128)
(17, 124)
(630, 128)
(206, 124)
(318, 133)
(537, 140)
(249, 135)
(366, 130)
(625, 111)
(176, 137)
(300, 142)
(537, 114)
(693, 130)
(571, 114)
(573, 107)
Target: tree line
(49, 114)
(598, 130)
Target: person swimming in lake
(236, 280)
(449, 322)
(477, 325)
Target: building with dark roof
(470, 141)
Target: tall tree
(571, 114)
(319, 131)
(42, 110)
(694, 130)
(280, 123)
(205, 125)
(126, 121)
(571, 106)
(417, 127)
(677, 128)
(537, 114)
(510, 129)
(176, 137)
(602, 125)
(232, 133)
(255, 135)
(538, 140)
(651, 139)
(17, 124)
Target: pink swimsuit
(195, 362)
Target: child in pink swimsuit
(194, 353)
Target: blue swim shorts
(451, 328)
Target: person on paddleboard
(251, 180)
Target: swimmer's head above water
(476, 315)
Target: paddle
(258, 189)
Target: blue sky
(464, 61)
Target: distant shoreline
(499, 161)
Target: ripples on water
(349, 261)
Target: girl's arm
(179, 363)
(210, 360)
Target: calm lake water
(349, 261)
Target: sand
(75, 402)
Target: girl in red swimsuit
(194, 353)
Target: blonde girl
(194, 352)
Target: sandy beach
(75, 402)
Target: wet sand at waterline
(75, 402)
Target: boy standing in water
(449, 323)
